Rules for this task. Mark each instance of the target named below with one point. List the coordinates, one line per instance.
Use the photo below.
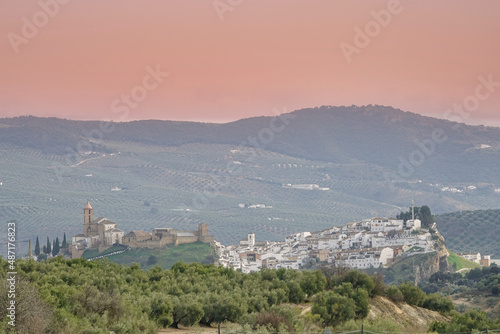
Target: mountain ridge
(371, 134)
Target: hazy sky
(230, 59)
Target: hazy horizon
(472, 122)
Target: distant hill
(374, 135)
(148, 174)
(471, 231)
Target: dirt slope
(415, 318)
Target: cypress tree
(64, 243)
(37, 247)
(55, 247)
(49, 248)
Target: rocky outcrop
(437, 262)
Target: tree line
(79, 296)
(423, 213)
(49, 248)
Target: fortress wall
(186, 240)
(167, 240)
(208, 239)
(76, 253)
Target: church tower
(88, 217)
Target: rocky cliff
(435, 263)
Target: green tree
(64, 243)
(312, 282)
(437, 303)
(219, 309)
(48, 248)
(359, 296)
(295, 293)
(161, 311)
(37, 247)
(412, 294)
(360, 280)
(473, 320)
(187, 311)
(333, 308)
(380, 288)
(423, 213)
(152, 260)
(362, 300)
(55, 247)
(426, 216)
(394, 294)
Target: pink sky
(265, 54)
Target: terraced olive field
(143, 186)
(472, 231)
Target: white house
(414, 224)
(475, 257)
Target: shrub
(412, 294)
(394, 294)
(152, 260)
(437, 303)
(273, 320)
(470, 321)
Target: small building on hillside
(485, 261)
(474, 257)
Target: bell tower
(88, 217)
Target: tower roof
(88, 206)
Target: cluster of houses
(365, 244)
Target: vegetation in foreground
(78, 296)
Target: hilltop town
(370, 243)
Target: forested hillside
(471, 231)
